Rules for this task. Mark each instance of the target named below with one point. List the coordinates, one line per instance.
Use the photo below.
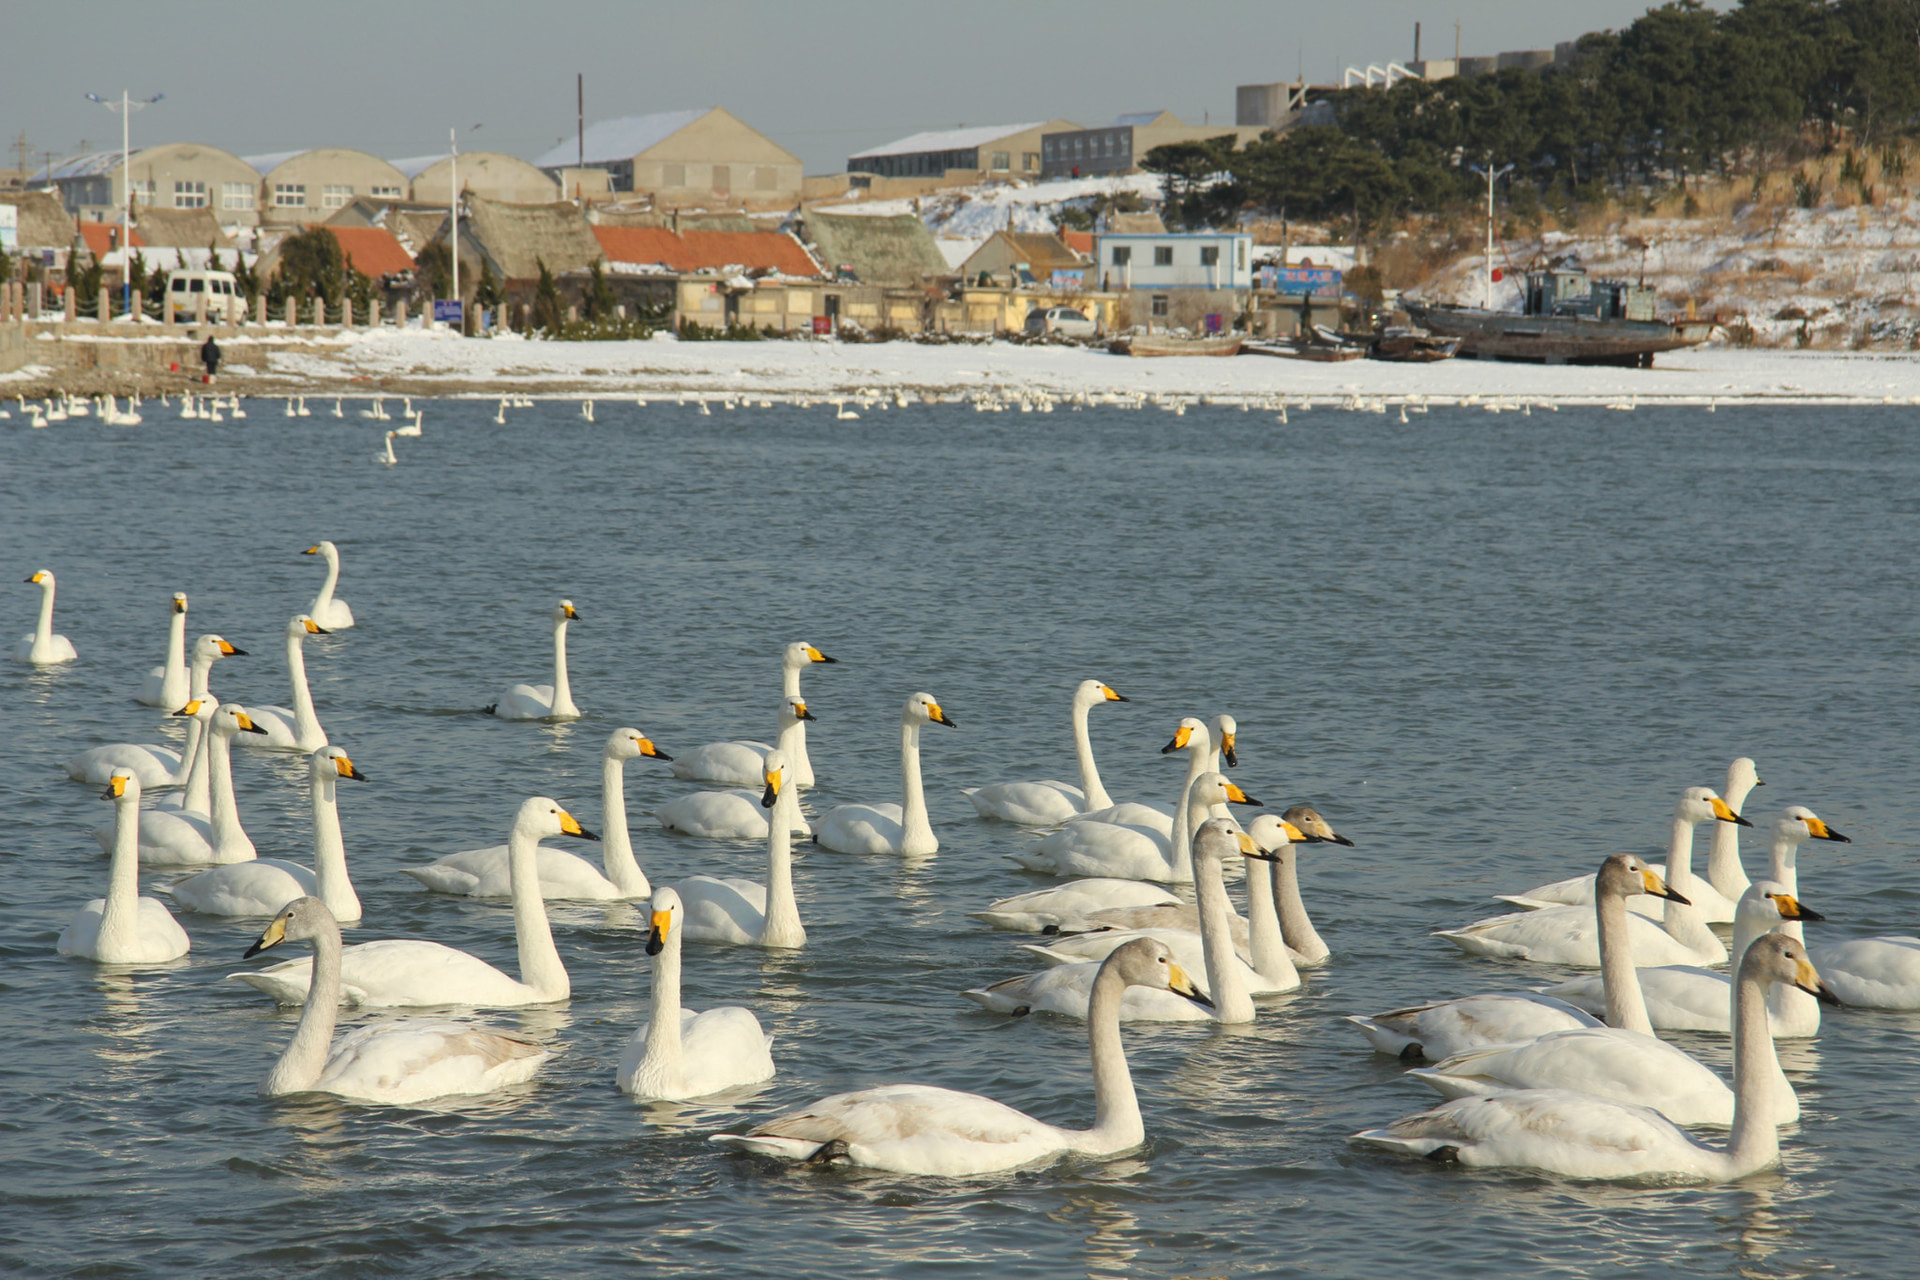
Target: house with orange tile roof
(729, 252)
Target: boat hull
(1505, 335)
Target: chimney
(1416, 42)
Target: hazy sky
(824, 78)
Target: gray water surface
(1491, 649)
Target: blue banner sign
(1301, 282)
(445, 311)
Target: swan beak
(570, 826)
(1181, 985)
(1227, 752)
(191, 709)
(179, 604)
(116, 787)
(1809, 981)
(311, 551)
(229, 650)
(246, 723)
(1296, 835)
(1821, 831)
(1659, 888)
(273, 936)
(801, 713)
(1722, 811)
(1236, 796)
(1251, 848)
(344, 767)
(571, 612)
(1111, 696)
(315, 629)
(657, 938)
(1759, 782)
(1790, 908)
(35, 578)
(648, 749)
(935, 714)
(1181, 737)
(814, 655)
(773, 788)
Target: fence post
(37, 296)
(166, 307)
(106, 304)
(346, 313)
(400, 313)
(373, 313)
(200, 308)
(260, 309)
(293, 311)
(73, 304)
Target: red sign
(1498, 275)
(823, 324)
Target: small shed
(518, 238)
(1027, 258)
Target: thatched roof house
(42, 221)
(895, 250)
(517, 238)
(180, 229)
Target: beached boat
(1162, 344)
(1566, 319)
(1413, 346)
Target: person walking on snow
(210, 356)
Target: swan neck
(1231, 1003)
(197, 676)
(562, 690)
(230, 841)
(1295, 927)
(1096, 795)
(1182, 813)
(330, 852)
(322, 603)
(120, 916)
(1755, 1140)
(1264, 944)
(305, 1056)
(1783, 866)
(308, 735)
(1116, 1108)
(916, 831)
(782, 927)
(1724, 871)
(176, 652)
(193, 769)
(1682, 919)
(540, 966)
(663, 1061)
(1626, 1006)
(43, 629)
(616, 848)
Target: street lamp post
(1492, 175)
(453, 203)
(126, 107)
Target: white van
(186, 288)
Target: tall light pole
(126, 107)
(453, 202)
(1492, 175)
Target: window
(723, 177)
(1079, 147)
(1031, 160)
(1046, 146)
(139, 190)
(1163, 255)
(1160, 306)
(673, 175)
(1002, 162)
(335, 197)
(189, 195)
(289, 195)
(1122, 255)
(386, 193)
(1240, 254)
(238, 195)
(1210, 255)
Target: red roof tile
(1080, 242)
(373, 250)
(707, 250)
(101, 237)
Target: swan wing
(1105, 849)
(1032, 912)
(1068, 990)
(154, 765)
(1130, 813)
(717, 910)
(908, 1128)
(1444, 1028)
(407, 1062)
(1555, 1130)
(486, 873)
(715, 815)
(1566, 936)
(862, 828)
(1029, 804)
(525, 702)
(258, 887)
(1607, 1062)
(735, 763)
(1678, 997)
(159, 937)
(398, 973)
(723, 1048)
(1874, 973)
(170, 838)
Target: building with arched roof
(491, 175)
(310, 186)
(176, 175)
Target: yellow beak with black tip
(1792, 909)
(229, 650)
(1809, 981)
(191, 709)
(246, 723)
(570, 826)
(773, 777)
(311, 551)
(1659, 888)
(1236, 796)
(570, 611)
(1111, 696)
(116, 787)
(652, 752)
(1821, 831)
(1181, 737)
(179, 604)
(345, 768)
(814, 655)
(1227, 752)
(801, 713)
(274, 934)
(1181, 985)
(657, 937)
(315, 629)
(1723, 811)
(935, 714)
(35, 578)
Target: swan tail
(1384, 1039)
(1525, 903)
(492, 708)
(767, 1145)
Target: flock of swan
(1570, 1078)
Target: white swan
(1218, 743)
(1443, 1028)
(544, 701)
(1047, 803)
(921, 1129)
(1874, 973)
(43, 648)
(298, 729)
(1580, 1136)
(179, 838)
(742, 912)
(678, 1053)
(890, 828)
(392, 1062)
(726, 761)
(330, 613)
(740, 763)
(1303, 941)
(1093, 846)
(487, 873)
(154, 765)
(386, 457)
(395, 972)
(1045, 909)
(1724, 871)
(123, 927)
(1570, 936)
(207, 650)
(166, 685)
(1621, 1061)
(261, 886)
(1689, 998)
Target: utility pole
(1491, 174)
(23, 149)
(580, 117)
(453, 202)
(126, 107)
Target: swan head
(794, 709)
(233, 718)
(666, 913)
(1623, 875)
(200, 709)
(1224, 730)
(801, 654)
(1703, 804)
(565, 612)
(1146, 962)
(1317, 828)
(179, 602)
(209, 647)
(1766, 903)
(332, 762)
(1222, 838)
(542, 816)
(1091, 693)
(1775, 957)
(1191, 734)
(323, 549)
(1210, 789)
(301, 626)
(301, 920)
(1743, 773)
(1800, 823)
(923, 708)
(1272, 836)
(773, 772)
(122, 785)
(42, 578)
(631, 744)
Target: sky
(824, 78)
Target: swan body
(678, 1053)
(155, 766)
(1874, 973)
(397, 972)
(1047, 803)
(43, 648)
(123, 927)
(329, 612)
(721, 815)
(1444, 1028)
(544, 701)
(179, 838)
(488, 873)
(921, 1129)
(166, 685)
(298, 729)
(1076, 901)
(1130, 851)
(398, 1063)
(1580, 1136)
(737, 763)
(741, 912)
(263, 886)
(890, 828)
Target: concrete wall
(1185, 308)
(489, 174)
(350, 173)
(719, 159)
